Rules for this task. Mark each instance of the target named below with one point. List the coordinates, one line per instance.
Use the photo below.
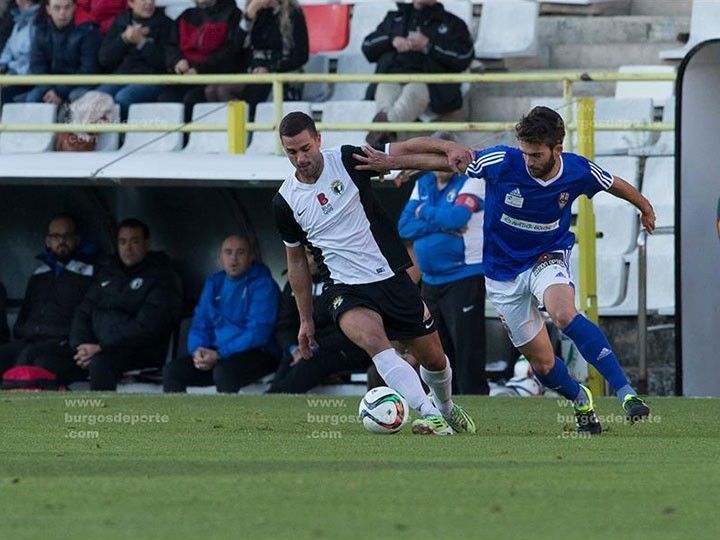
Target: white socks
(398, 374)
(440, 383)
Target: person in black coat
(4, 330)
(277, 41)
(335, 353)
(417, 38)
(135, 45)
(53, 293)
(126, 318)
(61, 48)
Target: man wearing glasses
(53, 292)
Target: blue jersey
(524, 216)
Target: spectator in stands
(231, 336)
(277, 39)
(126, 318)
(135, 45)
(61, 48)
(417, 38)
(444, 219)
(335, 352)
(100, 12)
(15, 56)
(4, 330)
(205, 39)
(53, 293)
(6, 20)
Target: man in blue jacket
(61, 48)
(444, 219)
(231, 341)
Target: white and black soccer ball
(383, 411)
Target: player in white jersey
(328, 205)
(528, 195)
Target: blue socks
(595, 348)
(559, 379)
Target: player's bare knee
(542, 364)
(563, 316)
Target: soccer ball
(383, 410)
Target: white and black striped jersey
(339, 217)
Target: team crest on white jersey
(337, 187)
(563, 199)
(514, 198)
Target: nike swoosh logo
(467, 308)
(428, 326)
(302, 212)
(105, 283)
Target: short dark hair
(134, 223)
(295, 123)
(542, 125)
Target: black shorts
(397, 300)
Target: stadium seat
(611, 274)
(658, 91)
(704, 25)
(349, 64)
(609, 110)
(344, 112)
(154, 113)
(508, 28)
(27, 113)
(665, 145)
(109, 142)
(209, 141)
(263, 142)
(317, 63)
(659, 188)
(365, 18)
(328, 26)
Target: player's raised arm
(381, 162)
(301, 284)
(622, 189)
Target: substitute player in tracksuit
(444, 219)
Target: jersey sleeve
(487, 163)
(597, 179)
(472, 195)
(289, 229)
(361, 178)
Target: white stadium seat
(263, 142)
(658, 91)
(345, 112)
(665, 145)
(209, 141)
(27, 113)
(507, 28)
(659, 188)
(154, 113)
(704, 25)
(349, 64)
(365, 18)
(109, 142)
(317, 63)
(609, 110)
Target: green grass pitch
(293, 467)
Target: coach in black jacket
(127, 316)
(53, 293)
(417, 38)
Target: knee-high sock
(440, 383)
(399, 375)
(559, 379)
(595, 348)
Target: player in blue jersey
(528, 194)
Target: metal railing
(643, 328)
(278, 80)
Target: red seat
(328, 26)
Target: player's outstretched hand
(373, 160)
(306, 339)
(647, 218)
(459, 157)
